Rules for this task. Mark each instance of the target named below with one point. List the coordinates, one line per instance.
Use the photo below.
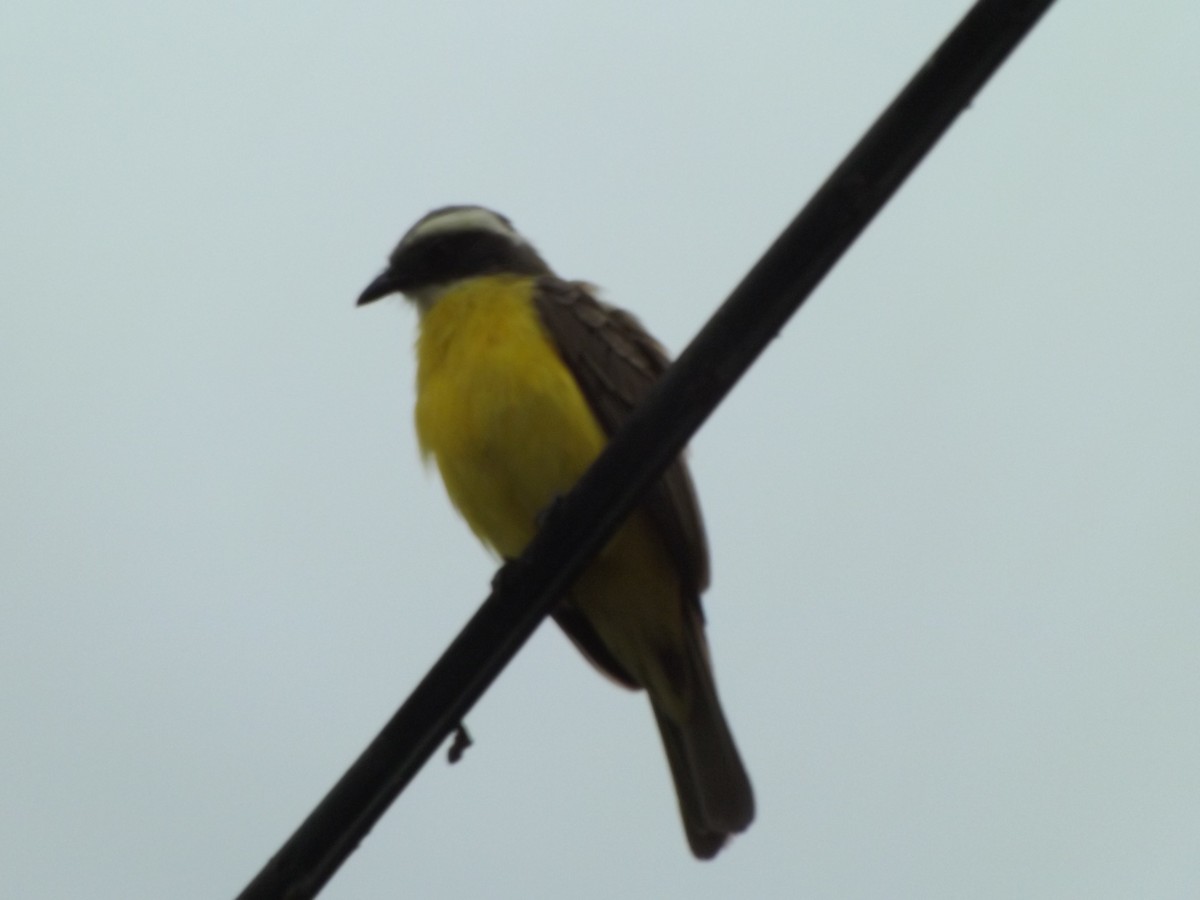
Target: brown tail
(715, 797)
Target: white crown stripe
(471, 219)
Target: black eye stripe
(441, 258)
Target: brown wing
(616, 363)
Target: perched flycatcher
(522, 377)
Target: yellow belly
(510, 430)
(498, 411)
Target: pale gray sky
(953, 510)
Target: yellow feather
(510, 430)
(498, 410)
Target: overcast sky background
(953, 510)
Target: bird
(522, 378)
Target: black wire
(655, 434)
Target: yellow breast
(498, 410)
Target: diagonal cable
(576, 528)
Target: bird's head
(450, 245)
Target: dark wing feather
(616, 363)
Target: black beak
(382, 286)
